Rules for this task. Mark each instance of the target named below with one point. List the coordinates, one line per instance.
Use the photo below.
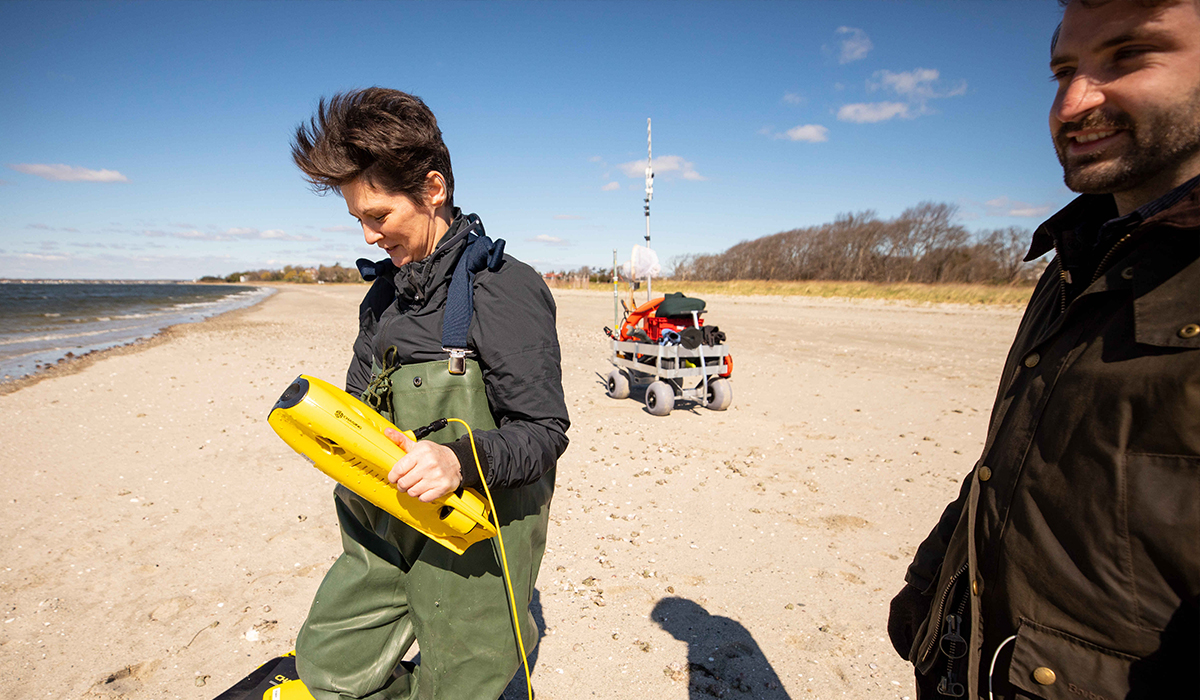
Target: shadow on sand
(516, 689)
(723, 659)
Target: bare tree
(924, 244)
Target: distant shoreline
(70, 363)
(64, 280)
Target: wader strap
(481, 252)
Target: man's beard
(1159, 142)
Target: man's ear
(435, 189)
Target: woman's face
(407, 230)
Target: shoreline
(73, 363)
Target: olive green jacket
(1078, 531)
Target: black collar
(1092, 218)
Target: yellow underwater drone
(343, 437)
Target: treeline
(924, 244)
(586, 274)
(293, 273)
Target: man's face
(1126, 117)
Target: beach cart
(665, 347)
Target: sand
(160, 541)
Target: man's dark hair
(387, 137)
(1096, 3)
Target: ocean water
(42, 323)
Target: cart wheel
(618, 384)
(660, 398)
(720, 394)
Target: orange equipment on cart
(652, 325)
(647, 323)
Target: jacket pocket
(1159, 522)
(1054, 665)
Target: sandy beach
(161, 541)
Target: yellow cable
(503, 558)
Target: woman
(450, 328)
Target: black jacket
(1078, 531)
(512, 333)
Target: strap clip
(457, 363)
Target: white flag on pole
(644, 262)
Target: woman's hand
(429, 470)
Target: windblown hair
(387, 137)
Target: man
(1069, 565)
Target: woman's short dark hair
(387, 137)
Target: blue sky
(151, 139)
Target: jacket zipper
(949, 684)
(941, 608)
(1062, 282)
(1062, 270)
(1104, 261)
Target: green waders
(393, 586)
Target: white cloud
(614, 185)
(915, 87)
(232, 234)
(809, 133)
(340, 229)
(39, 257)
(792, 98)
(1031, 211)
(276, 235)
(1003, 206)
(871, 112)
(914, 84)
(548, 240)
(855, 44)
(663, 165)
(68, 173)
(44, 227)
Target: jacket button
(984, 473)
(1032, 359)
(1127, 273)
(1191, 330)
(417, 381)
(1044, 676)
(976, 586)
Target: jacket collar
(416, 281)
(1179, 208)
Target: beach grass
(1003, 295)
